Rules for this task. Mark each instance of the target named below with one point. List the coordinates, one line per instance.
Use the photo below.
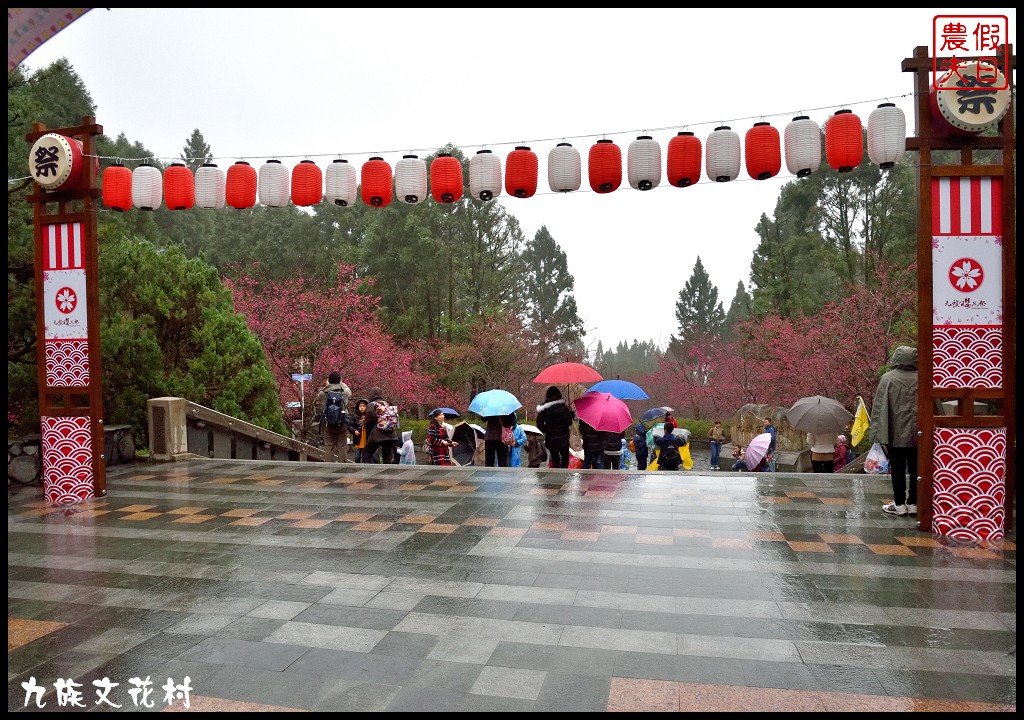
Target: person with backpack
(332, 408)
(382, 427)
(515, 451)
(554, 418)
(669, 457)
(497, 440)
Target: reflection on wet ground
(353, 587)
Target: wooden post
(70, 365)
(967, 478)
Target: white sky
(292, 83)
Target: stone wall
(25, 462)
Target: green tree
(547, 288)
(699, 313)
(169, 329)
(739, 309)
(196, 152)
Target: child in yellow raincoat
(684, 450)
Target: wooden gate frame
(929, 138)
(73, 206)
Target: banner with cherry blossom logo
(967, 282)
(65, 318)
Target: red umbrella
(568, 372)
(603, 412)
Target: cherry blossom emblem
(67, 300)
(966, 275)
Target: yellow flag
(861, 423)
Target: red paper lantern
(762, 151)
(604, 166)
(844, 141)
(521, 167)
(684, 159)
(307, 184)
(446, 178)
(377, 180)
(179, 187)
(117, 187)
(240, 186)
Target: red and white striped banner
(63, 246)
(967, 206)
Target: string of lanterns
(762, 149)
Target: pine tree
(196, 152)
(548, 285)
(739, 309)
(699, 312)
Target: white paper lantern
(411, 179)
(485, 175)
(273, 184)
(723, 154)
(803, 146)
(565, 168)
(887, 135)
(643, 163)
(341, 183)
(210, 184)
(147, 187)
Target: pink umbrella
(756, 450)
(603, 412)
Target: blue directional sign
(300, 377)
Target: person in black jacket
(668, 454)
(554, 418)
(612, 449)
(593, 446)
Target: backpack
(508, 437)
(334, 409)
(669, 457)
(387, 416)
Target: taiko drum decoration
(56, 162)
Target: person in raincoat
(894, 427)
(515, 452)
(407, 453)
(640, 445)
(841, 454)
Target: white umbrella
(533, 429)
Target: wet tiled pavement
(310, 586)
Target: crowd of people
(370, 426)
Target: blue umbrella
(450, 412)
(655, 412)
(492, 403)
(621, 389)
